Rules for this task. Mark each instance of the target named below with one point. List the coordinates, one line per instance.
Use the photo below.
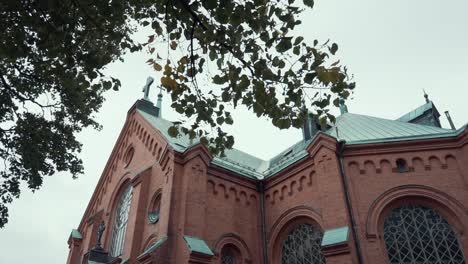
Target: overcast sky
(394, 48)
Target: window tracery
(302, 245)
(120, 223)
(415, 234)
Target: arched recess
(288, 221)
(236, 244)
(123, 182)
(448, 207)
(154, 207)
(122, 185)
(153, 238)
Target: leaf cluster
(52, 56)
(250, 55)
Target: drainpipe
(341, 146)
(261, 190)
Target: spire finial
(147, 87)
(159, 102)
(426, 96)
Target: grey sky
(394, 49)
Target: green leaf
(220, 120)
(284, 45)
(298, 40)
(297, 50)
(210, 4)
(228, 120)
(173, 131)
(225, 96)
(212, 55)
(334, 48)
(309, 77)
(309, 3)
(336, 102)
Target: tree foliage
(53, 52)
(249, 55)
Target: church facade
(363, 190)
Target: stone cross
(146, 88)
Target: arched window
(401, 165)
(415, 234)
(155, 207)
(302, 245)
(228, 256)
(120, 222)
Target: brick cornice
(222, 173)
(336, 249)
(198, 150)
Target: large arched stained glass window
(302, 246)
(415, 234)
(120, 223)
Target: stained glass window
(120, 223)
(302, 246)
(414, 234)
(227, 256)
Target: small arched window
(302, 245)
(155, 207)
(228, 256)
(401, 165)
(128, 156)
(415, 234)
(120, 223)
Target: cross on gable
(147, 87)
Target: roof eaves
(406, 138)
(237, 168)
(284, 164)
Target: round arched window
(128, 156)
(120, 223)
(416, 234)
(154, 210)
(302, 245)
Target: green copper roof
(335, 236)
(356, 128)
(418, 112)
(198, 245)
(76, 234)
(353, 128)
(154, 246)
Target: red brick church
(363, 190)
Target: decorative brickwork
(244, 210)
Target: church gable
(138, 147)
